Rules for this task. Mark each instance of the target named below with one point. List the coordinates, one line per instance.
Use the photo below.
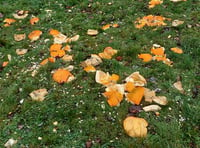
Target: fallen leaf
(35, 35)
(145, 57)
(151, 108)
(136, 78)
(60, 38)
(107, 53)
(39, 95)
(10, 143)
(62, 76)
(178, 86)
(8, 22)
(54, 32)
(176, 23)
(9, 57)
(129, 86)
(69, 68)
(44, 62)
(21, 14)
(34, 20)
(135, 96)
(19, 37)
(115, 25)
(21, 51)
(149, 95)
(177, 50)
(92, 32)
(161, 100)
(158, 51)
(134, 109)
(67, 48)
(90, 68)
(135, 127)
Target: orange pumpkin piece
(9, 21)
(90, 68)
(159, 58)
(61, 75)
(177, 50)
(115, 25)
(145, 57)
(51, 59)
(136, 95)
(34, 20)
(129, 86)
(114, 77)
(158, 51)
(35, 35)
(105, 27)
(67, 48)
(55, 47)
(44, 62)
(54, 32)
(4, 64)
(153, 3)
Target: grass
(79, 108)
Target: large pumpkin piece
(61, 75)
(135, 127)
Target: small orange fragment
(5, 64)
(114, 77)
(158, 51)
(34, 20)
(115, 25)
(9, 21)
(90, 68)
(35, 35)
(105, 27)
(129, 86)
(52, 59)
(177, 50)
(54, 32)
(145, 57)
(44, 62)
(55, 47)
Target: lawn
(76, 114)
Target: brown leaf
(151, 108)
(19, 37)
(135, 127)
(38, 95)
(92, 32)
(178, 86)
(162, 100)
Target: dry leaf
(21, 51)
(145, 57)
(108, 53)
(94, 60)
(177, 50)
(90, 68)
(151, 108)
(69, 68)
(135, 96)
(10, 143)
(21, 14)
(178, 86)
(136, 78)
(9, 57)
(135, 127)
(19, 37)
(161, 100)
(35, 35)
(149, 95)
(92, 32)
(176, 23)
(38, 95)
(8, 22)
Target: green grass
(81, 111)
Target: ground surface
(82, 113)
